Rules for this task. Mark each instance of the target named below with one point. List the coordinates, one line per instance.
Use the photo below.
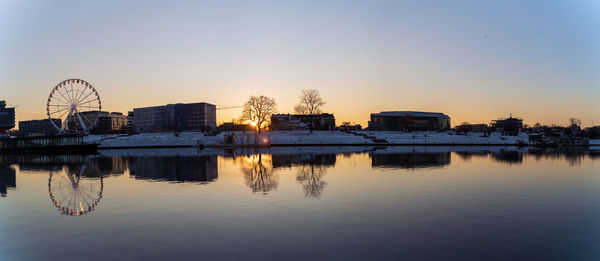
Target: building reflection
(508, 156)
(574, 155)
(410, 160)
(177, 168)
(289, 160)
(7, 179)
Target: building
(347, 127)
(409, 121)
(114, 122)
(7, 117)
(39, 127)
(471, 128)
(324, 121)
(108, 122)
(230, 126)
(130, 124)
(176, 117)
(510, 125)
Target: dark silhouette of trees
(258, 111)
(575, 122)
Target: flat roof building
(409, 121)
(38, 127)
(176, 117)
(323, 121)
(108, 122)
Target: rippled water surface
(347, 203)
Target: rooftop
(412, 113)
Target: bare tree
(575, 121)
(311, 103)
(258, 111)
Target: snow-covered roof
(412, 113)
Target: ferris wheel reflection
(76, 190)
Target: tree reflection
(310, 176)
(258, 173)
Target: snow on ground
(299, 138)
(445, 138)
(316, 137)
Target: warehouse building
(409, 121)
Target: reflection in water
(573, 155)
(78, 190)
(410, 160)
(179, 168)
(310, 169)
(355, 210)
(7, 179)
(508, 156)
(258, 172)
(76, 181)
(310, 177)
(289, 160)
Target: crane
(227, 107)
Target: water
(350, 203)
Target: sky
(473, 60)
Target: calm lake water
(347, 203)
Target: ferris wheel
(76, 104)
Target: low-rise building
(409, 121)
(471, 128)
(38, 127)
(324, 121)
(107, 122)
(230, 126)
(510, 125)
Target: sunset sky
(473, 60)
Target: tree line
(258, 109)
